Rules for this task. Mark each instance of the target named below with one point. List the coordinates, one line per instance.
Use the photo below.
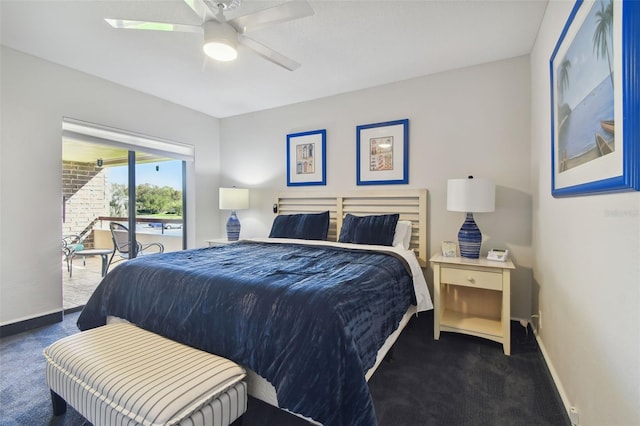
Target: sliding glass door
(160, 201)
(103, 184)
(157, 213)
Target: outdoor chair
(70, 245)
(121, 246)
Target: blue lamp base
(470, 238)
(233, 227)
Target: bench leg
(59, 404)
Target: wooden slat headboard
(411, 204)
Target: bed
(310, 319)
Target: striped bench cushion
(122, 374)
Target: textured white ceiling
(345, 46)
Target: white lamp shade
(473, 195)
(220, 41)
(234, 198)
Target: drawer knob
(470, 279)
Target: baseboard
(74, 309)
(26, 325)
(554, 375)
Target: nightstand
(473, 296)
(219, 242)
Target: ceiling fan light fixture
(220, 51)
(220, 41)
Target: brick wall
(84, 188)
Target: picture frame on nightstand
(449, 249)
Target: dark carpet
(458, 380)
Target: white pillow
(402, 236)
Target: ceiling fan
(221, 36)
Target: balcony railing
(169, 232)
(155, 223)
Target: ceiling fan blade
(199, 8)
(268, 53)
(153, 26)
(273, 15)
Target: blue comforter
(309, 319)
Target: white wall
(586, 273)
(36, 94)
(469, 121)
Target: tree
(150, 199)
(563, 84)
(603, 34)
(119, 200)
(154, 200)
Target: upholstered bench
(120, 374)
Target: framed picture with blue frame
(595, 97)
(307, 158)
(382, 153)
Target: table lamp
(233, 199)
(470, 196)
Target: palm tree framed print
(595, 92)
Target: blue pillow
(376, 229)
(308, 226)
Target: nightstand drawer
(471, 278)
